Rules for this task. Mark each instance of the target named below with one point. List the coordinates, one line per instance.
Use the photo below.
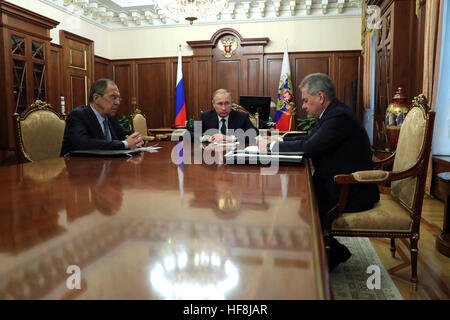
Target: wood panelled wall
(343, 67)
(72, 67)
(248, 71)
(152, 81)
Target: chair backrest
(254, 118)
(40, 131)
(413, 152)
(139, 122)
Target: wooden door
(55, 77)
(78, 68)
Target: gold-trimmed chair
(40, 131)
(139, 124)
(396, 215)
(254, 118)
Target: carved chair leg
(414, 254)
(393, 247)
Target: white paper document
(252, 149)
(226, 144)
(253, 156)
(149, 149)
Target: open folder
(264, 158)
(96, 153)
(103, 153)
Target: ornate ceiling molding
(134, 14)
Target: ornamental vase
(395, 114)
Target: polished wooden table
(148, 228)
(443, 238)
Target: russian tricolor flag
(180, 103)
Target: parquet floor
(433, 267)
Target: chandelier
(191, 10)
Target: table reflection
(27, 219)
(193, 270)
(103, 191)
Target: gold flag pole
(293, 114)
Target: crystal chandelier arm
(191, 10)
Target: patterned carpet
(349, 279)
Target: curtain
(366, 52)
(363, 28)
(368, 64)
(432, 48)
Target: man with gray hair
(94, 126)
(338, 144)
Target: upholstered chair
(254, 118)
(397, 214)
(139, 124)
(40, 131)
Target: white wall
(70, 23)
(302, 35)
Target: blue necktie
(106, 128)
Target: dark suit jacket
(83, 132)
(236, 120)
(338, 144)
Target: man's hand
(134, 141)
(218, 137)
(263, 141)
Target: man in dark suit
(95, 126)
(338, 144)
(221, 123)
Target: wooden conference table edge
(322, 278)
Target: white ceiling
(129, 14)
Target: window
(441, 134)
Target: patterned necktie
(223, 128)
(106, 129)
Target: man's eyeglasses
(114, 98)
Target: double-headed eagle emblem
(227, 46)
